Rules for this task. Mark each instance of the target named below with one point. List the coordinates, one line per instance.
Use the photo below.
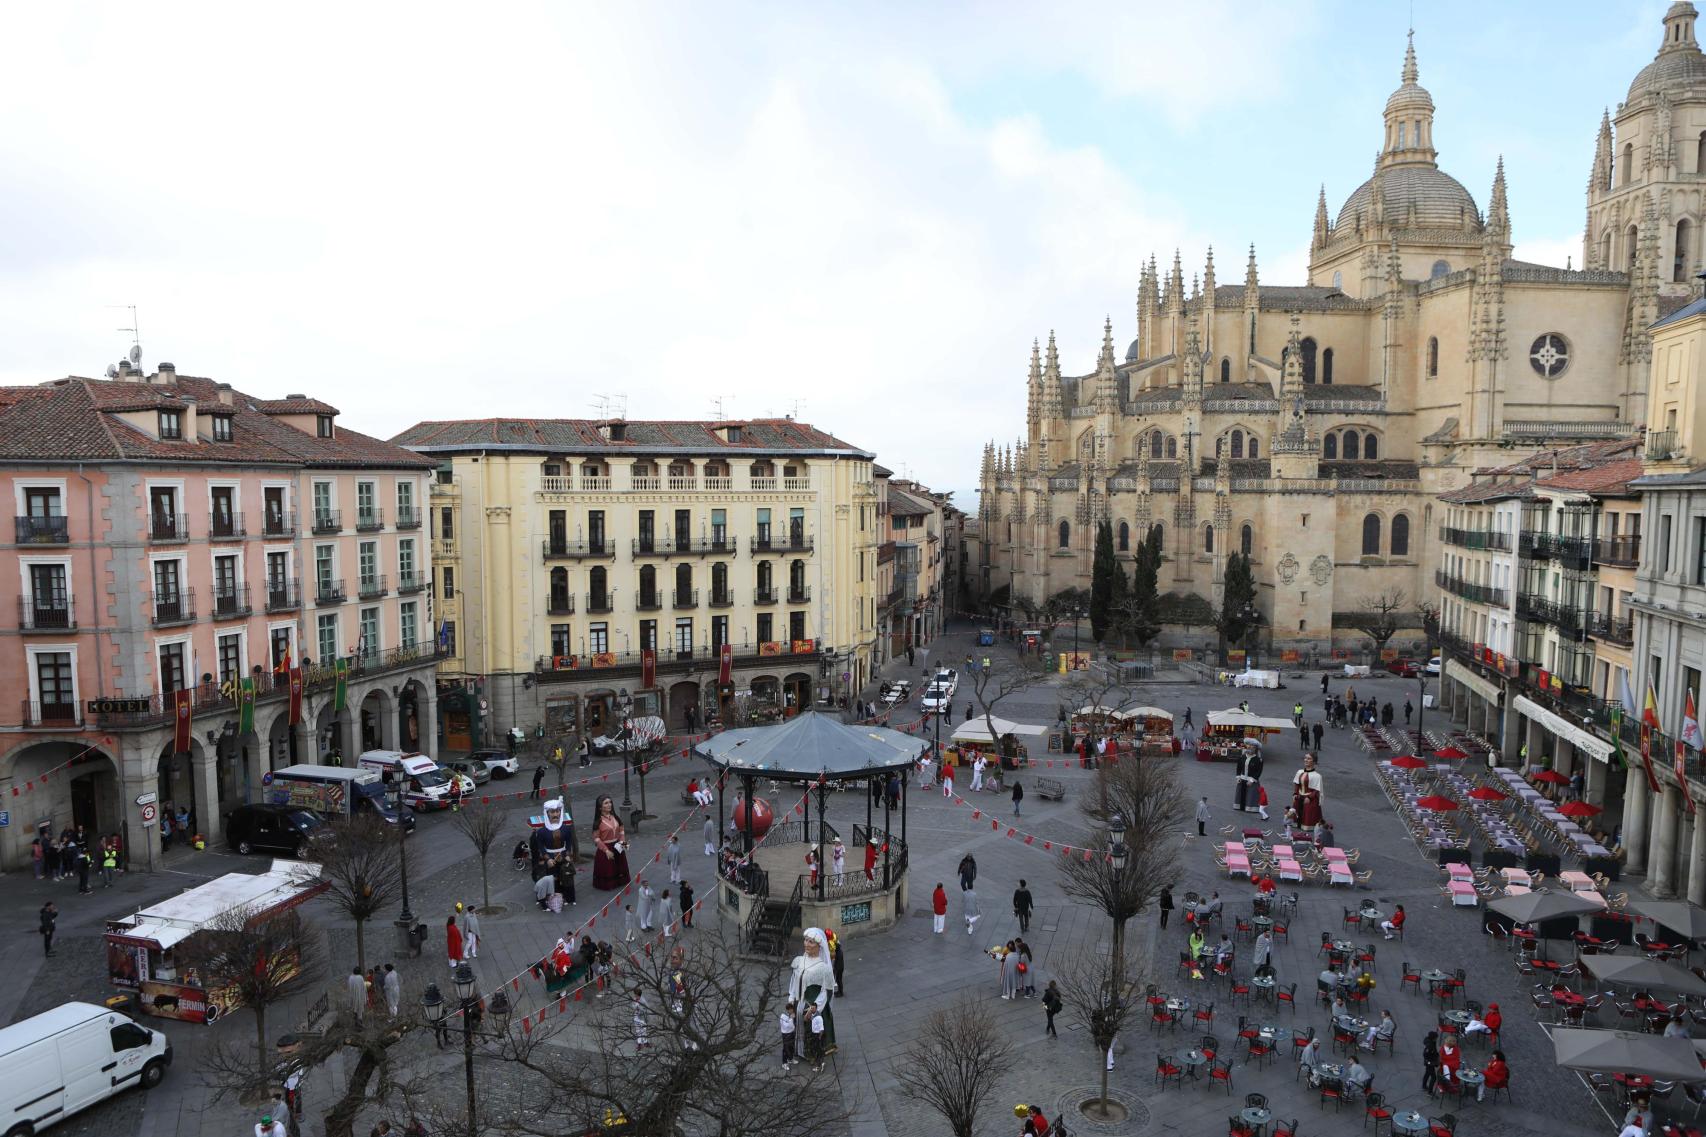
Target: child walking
(787, 1025)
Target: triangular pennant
(515, 983)
(562, 1004)
(527, 1026)
(994, 824)
(976, 814)
(1086, 856)
(578, 993)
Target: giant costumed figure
(811, 984)
(553, 843)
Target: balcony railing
(328, 521)
(231, 602)
(684, 598)
(683, 482)
(649, 482)
(796, 483)
(560, 604)
(1661, 444)
(372, 587)
(556, 483)
(782, 543)
(165, 527)
(284, 595)
(221, 526)
(799, 594)
(329, 592)
(1479, 593)
(1571, 552)
(410, 582)
(1617, 630)
(43, 530)
(60, 715)
(719, 482)
(648, 601)
(764, 596)
(1568, 619)
(763, 483)
(601, 602)
(1475, 538)
(408, 517)
(46, 614)
(566, 550)
(1624, 549)
(685, 546)
(279, 524)
(172, 608)
(722, 599)
(746, 655)
(595, 481)
(369, 520)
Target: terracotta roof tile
(584, 436)
(1610, 478)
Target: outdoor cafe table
(1262, 923)
(1458, 1019)
(1463, 894)
(1516, 876)
(1256, 1118)
(1343, 947)
(1178, 1006)
(1410, 1122)
(1460, 872)
(1191, 1060)
(1576, 881)
(1471, 1080)
(1436, 977)
(1264, 985)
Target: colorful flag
(340, 689)
(1617, 736)
(725, 663)
(182, 719)
(246, 706)
(1650, 710)
(295, 696)
(1681, 773)
(1691, 722)
(648, 667)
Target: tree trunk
(340, 1118)
(261, 1043)
(485, 884)
(361, 945)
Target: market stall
(1154, 727)
(1015, 741)
(143, 950)
(1226, 733)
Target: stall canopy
(976, 732)
(180, 917)
(1634, 971)
(1624, 1052)
(1109, 712)
(1269, 679)
(1244, 719)
(1532, 906)
(1150, 713)
(810, 744)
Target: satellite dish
(136, 353)
(112, 371)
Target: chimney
(224, 394)
(190, 425)
(164, 376)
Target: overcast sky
(861, 213)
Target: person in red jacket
(939, 905)
(1391, 927)
(1496, 1076)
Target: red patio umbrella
(1487, 793)
(1553, 777)
(1451, 754)
(1409, 762)
(1578, 809)
(1439, 803)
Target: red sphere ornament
(762, 818)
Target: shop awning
(1564, 729)
(1485, 688)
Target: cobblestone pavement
(892, 977)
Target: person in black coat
(968, 873)
(1022, 906)
(836, 964)
(1430, 1061)
(1018, 796)
(1165, 903)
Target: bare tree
(953, 1064)
(261, 960)
(1101, 989)
(992, 685)
(362, 871)
(1099, 686)
(1379, 617)
(708, 1065)
(483, 826)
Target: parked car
(896, 691)
(1405, 668)
(283, 829)
(469, 768)
(1433, 666)
(499, 763)
(636, 736)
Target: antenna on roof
(134, 355)
(799, 405)
(719, 412)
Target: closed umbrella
(1409, 762)
(1552, 777)
(1578, 809)
(1487, 793)
(1532, 906)
(1686, 919)
(1439, 803)
(1637, 971)
(1624, 1052)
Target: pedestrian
(50, 920)
(710, 832)
(1264, 948)
(686, 905)
(356, 986)
(1262, 800)
(939, 908)
(968, 712)
(838, 859)
(109, 862)
(586, 751)
(647, 897)
(1007, 959)
(1297, 712)
(557, 755)
(947, 779)
(1022, 906)
(1018, 796)
(1430, 1061)
(83, 871)
(1323, 682)
(1165, 903)
(836, 966)
(393, 984)
(1316, 730)
(977, 773)
(786, 1023)
(1188, 717)
(452, 941)
(470, 931)
(672, 858)
(968, 872)
(538, 779)
(1408, 711)
(1303, 734)
(1051, 1007)
(640, 1039)
(667, 914)
(1577, 784)
(1386, 713)
(38, 858)
(1027, 970)
(628, 935)
(267, 1127)
(969, 909)
(1202, 817)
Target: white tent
(1033, 738)
(1150, 713)
(1110, 712)
(1235, 718)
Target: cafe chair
(1445, 1125)
(1326, 945)
(1162, 1017)
(1255, 1101)
(1256, 1049)
(1237, 1128)
(1247, 1030)
(1187, 965)
(1221, 1071)
(1353, 918)
(1498, 933)
(1331, 1091)
(1281, 932)
(1366, 955)
(1374, 1106)
(1209, 1045)
(1493, 1092)
(1285, 1129)
(1153, 995)
(1364, 877)
(1165, 1071)
(1240, 990)
(1388, 1041)
(1288, 996)
(1411, 975)
(1204, 1015)
(1301, 1038)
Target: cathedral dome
(1439, 199)
(1680, 65)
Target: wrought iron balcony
(408, 517)
(410, 582)
(684, 598)
(1567, 618)
(329, 592)
(722, 599)
(168, 527)
(560, 604)
(46, 614)
(372, 587)
(284, 595)
(51, 714)
(1479, 593)
(1475, 538)
(782, 543)
(601, 602)
(369, 520)
(645, 601)
(1624, 550)
(1618, 630)
(1661, 444)
(43, 530)
(223, 526)
(1571, 552)
(172, 608)
(328, 521)
(667, 546)
(280, 523)
(231, 602)
(567, 550)
(799, 594)
(764, 596)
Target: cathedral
(1312, 426)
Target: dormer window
(324, 423)
(731, 434)
(222, 428)
(171, 424)
(616, 431)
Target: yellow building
(579, 560)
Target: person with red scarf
(1496, 1076)
(453, 941)
(871, 859)
(1450, 1058)
(939, 908)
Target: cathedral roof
(1679, 66)
(1439, 199)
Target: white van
(71, 1057)
(416, 778)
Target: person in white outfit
(393, 990)
(646, 898)
(969, 908)
(672, 857)
(470, 933)
(977, 774)
(838, 858)
(710, 836)
(357, 987)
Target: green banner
(246, 707)
(1617, 737)
(340, 693)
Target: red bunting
(976, 813)
(1010, 832)
(526, 1026)
(516, 983)
(1029, 838)
(1047, 845)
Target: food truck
(144, 950)
(1225, 733)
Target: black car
(274, 828)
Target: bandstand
(769, 890)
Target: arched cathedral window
(1370, 446)
(1350, 444)
(1627, 167)
(1330, 447)
(1155, 445)
(1401, 535)
(1700, 154)
(1225, 370)
(1632, 239)
(1371, 535)
(1680, 260)
(1327, 366)
(1308, 347)
(1246, 539)
(1433, 341)
(1440, 268)
(1253, 453)
(1172, 447)
(1065, 528)
(1125, 537)
(1208, 538)
(1238, 444)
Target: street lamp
(432, 1003)
(1421, 704)
(405, 918)
(625, 704)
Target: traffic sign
(145, 799)
(148, 813)
(5, 818)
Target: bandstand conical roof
(812, 744)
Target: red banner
(648, 667)
(1681, 775)
(295, 696)
(726, 663)
(181, 715)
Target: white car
(1433, 666)
(499, 763)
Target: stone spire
(1411, 73)
(1323, 227)
(1193, 362)
(1107, 392)
(1601, 177)
(1207, 305)
(988, 468)
(1149, 313)
(1409, 118)
(1498, 209)
(1252, 304)
(1291, 377)
(1176, 287)
(1643, 287)
(1661, 155)
(1053, 405)
(1034, 388)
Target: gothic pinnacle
(1411, 74)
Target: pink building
(173, 534)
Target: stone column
(1661, 875)
(307, 745)
(204, 770)
(1697, 859)
(427, 709)
(253, 754)
(1635, 803)
(1510, 740)
(1595, 773)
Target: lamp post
(432, 1002)
(625, 704)
(405, 918)
(1421, 705)
(1118, 854)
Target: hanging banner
(181, 716)
(1681, 775)
(340, 690)
(246, 707)
(295, 696)
(648, 667)
(726, 663)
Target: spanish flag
(1650, 710)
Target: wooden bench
(1050, 789)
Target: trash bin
(634, 816)
(410, 938)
